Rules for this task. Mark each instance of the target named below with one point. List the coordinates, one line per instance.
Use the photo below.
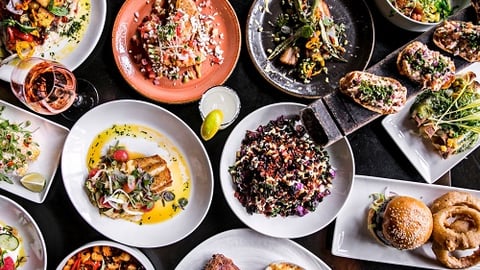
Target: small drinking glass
(48, 87)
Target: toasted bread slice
(427, 67)
(459, 38)
(383, 95)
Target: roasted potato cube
(56, 3)
(45, 18)
(43, 3)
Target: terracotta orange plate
(175, 91)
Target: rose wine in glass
(45, 86)
(48, 87)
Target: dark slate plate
(360, 35)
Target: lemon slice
(34, 182)
(211, 124)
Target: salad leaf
(23, 27)
(58, 11)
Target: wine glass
(48, 87)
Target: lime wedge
(34, 182)
(211, 124)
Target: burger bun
(407, 223)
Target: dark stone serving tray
(335, 115)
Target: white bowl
(137, 254)
(342, 161)
(399, 19)
(13, 214)
(174, 132)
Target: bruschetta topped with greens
(459, 38)
(383, 95)
(428, 67)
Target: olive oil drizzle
(163, 209)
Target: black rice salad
(279, 170)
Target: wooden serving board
(335, 115)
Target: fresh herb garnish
(15, 141)
(23, 27)
(57, 10)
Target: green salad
(17, 148)
(450, 118)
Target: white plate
(50, 136)
(250, 250)
(137, 254)
(351, 237)
(16, 216)
(74, 171)
(341, 158)
(430, 165)
(65, 55)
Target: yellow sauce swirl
(165, 148)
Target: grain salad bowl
(399, 19)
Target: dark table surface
(64, 230)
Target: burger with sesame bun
(401, 222)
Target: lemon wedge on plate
(211, 124)
(34, 182)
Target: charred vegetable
(306, 37)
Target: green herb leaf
(4, 178)
(22, 27)
(58, 11)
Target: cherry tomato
(129, 186)
(120, 155)
(15, 34)
(8, 264)
(103, 203)
(92, 172)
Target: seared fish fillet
(156, 166)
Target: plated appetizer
(459, 38)
(102, 257)
(280, 171)
(12, 253)
(175, 39)
(451, 224)
(383, 95)
(305, 37)
(449, 118)
(428, 67)
(427, 11)
(283, 266)
(220, 262)
(125, 188)
(34, 27)
(17, 148)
